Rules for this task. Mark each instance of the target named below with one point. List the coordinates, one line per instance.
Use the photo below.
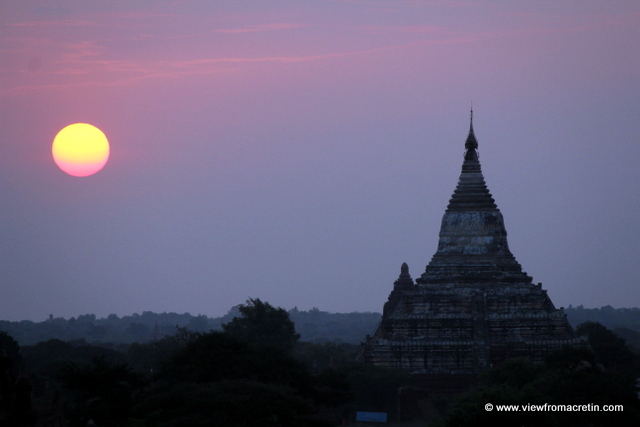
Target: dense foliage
(252, 367)
(252, 373)
(625, 322)
(572, 376)
(260, 323)
(10, 348)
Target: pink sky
(299, 152)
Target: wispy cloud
(82, 65)
(410, 29)
(260, 28)
(80, 50)
(133, 53)
(66, 23)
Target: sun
(80, 149)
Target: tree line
(313, 325)
(625, 322)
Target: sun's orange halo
(80, 149)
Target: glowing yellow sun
(80, 149)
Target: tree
(12, 349)
(218, 379)
(199, 323)
(103, 392)
(610, 349)
(262, 324)
(9, 361)
(563, 379)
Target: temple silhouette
(473, 307)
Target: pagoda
(473, 307)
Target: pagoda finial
(404, 280)
(471, 145)
(404, 269)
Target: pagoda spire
(472, 193)
(472, 246)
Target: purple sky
(299, 152)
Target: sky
(300, 152)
